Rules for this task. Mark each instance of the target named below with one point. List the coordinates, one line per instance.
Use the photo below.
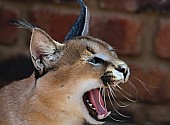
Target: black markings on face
(107, 77)
(90, 50)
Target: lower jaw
(93, 114)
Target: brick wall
(139, 31)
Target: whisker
(136, 93)
(125, 96)
(117, 120)
(113, 96)
(130, 88)
(129, 63)
(115, 108)
(140, 81)
(120, 100)
(136, 69)
(104, 96)
(145, 85)
(124, 91)
(135, 90)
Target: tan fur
(56, 97)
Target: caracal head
(71, 74)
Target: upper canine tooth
(87, 100)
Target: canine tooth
(108, 114)
(101, 116)
(93, 108)
(87, 100)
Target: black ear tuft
(21, 24)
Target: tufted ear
(44, 50)
(81, 26)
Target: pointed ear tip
(39, 31)
(81, 2)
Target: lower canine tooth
(100, 116)
(108, 114)
(94, 108)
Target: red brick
(55, 23)
(122, 32)
(157, 78)
(127, 5)
(158, 5)
(136, 5)
(162, 45)
(8, 35)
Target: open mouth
(95, 105)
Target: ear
(81, 26)
(44, 50)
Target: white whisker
(120, 100)
(104, 96)
(116, 119)
(113, 96)
(115, 108)
(135, 90)
(130, 88)
(145, 85)
(124, 91)
(125, 96)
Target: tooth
(108, 114)
(100, 116)
(87, 100)
(90, 105)
(93, 108)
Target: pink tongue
(97, 101)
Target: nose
(121, 67)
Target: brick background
(128, 5)
(137, 29)
(53, 21)
(7, 34)
(122, 32)
(162, 42)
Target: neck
(53, 108)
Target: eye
(96, 61)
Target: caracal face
(96, 67)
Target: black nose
(122, 70)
